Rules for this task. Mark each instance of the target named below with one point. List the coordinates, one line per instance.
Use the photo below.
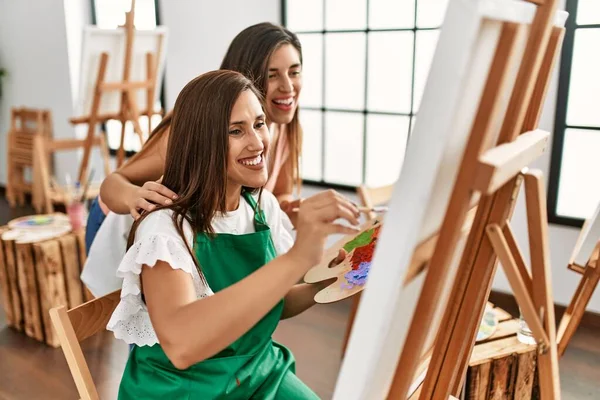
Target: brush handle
(362, 209)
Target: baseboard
(507, 302)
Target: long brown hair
(196, 163)
(249, 53)
(154, 137)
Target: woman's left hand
(290, 208)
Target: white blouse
(157, 239)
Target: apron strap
(259, 215)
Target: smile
(286, 104)
(252, 162)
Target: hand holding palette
(353, 271)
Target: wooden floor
(29, 370)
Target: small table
(501, 367)
(37, 276)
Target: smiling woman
(271, 56)
(201, 320)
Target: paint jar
(76, 213)
(524, 334)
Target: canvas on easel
(474, 135)
(584, 261)
(121, 74)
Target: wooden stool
(37, 276)
(501, 367)
(25, 125)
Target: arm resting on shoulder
(119, 188)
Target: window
(110, 14)
(574, 184)
(365, 67)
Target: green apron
(252, 367)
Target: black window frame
(323, 109)
(560, 119)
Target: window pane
(588, 12)
(312, 70)
(391, 14)
(344, 148)
(345, 14)
(312, 128)
(425, 47)
(430, 13)
(345, 70)
(578, 192)
(111, 13)
(132, 141)
(582, 108)
(386, 144)
(304, 15)
(390, 71)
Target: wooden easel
(497, 175)
(590, 277)
(129, 110)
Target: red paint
(365, 253)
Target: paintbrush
(87, 186)
(362, 209)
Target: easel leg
(135, 115)
(574, 313)
(121, 151)
(542, 276)
(89, 140)
(472, 286)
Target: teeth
(286, 102)
(254, 161)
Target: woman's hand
(148, 196)
(291, 209)
(316, 221)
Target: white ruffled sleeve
(156, 239)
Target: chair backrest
(76, 325)
(374, 196)
(31, 121)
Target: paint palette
(36, 228)
(489, 324)
(352, 273)
(39, 221)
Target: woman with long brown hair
(269, 55)
(207, 278)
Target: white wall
(33, 50)
(200, 32)
(78, 14)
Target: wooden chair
(369, 197)
(45, 194)
(25, 125)
(76, 325)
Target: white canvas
(112, 41)
(459, 69)
(588, 238)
